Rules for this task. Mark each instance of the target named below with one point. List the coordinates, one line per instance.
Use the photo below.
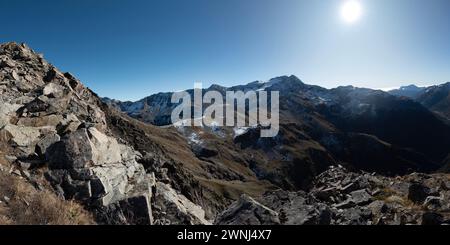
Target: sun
(351, 11)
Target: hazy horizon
(129, 50)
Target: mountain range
(435, 98)
(336, 121)
(343, 156)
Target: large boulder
(90, 166)
(6, 111)
(46, 142)
(53, 90)
(23, 136)
(74, 151)
(22, 139)
(172, 208)
(134, 210)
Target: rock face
(51, 117)
(339, 197)
(49, 120)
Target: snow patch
(238, 131)
(195, 139)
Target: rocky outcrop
(90, 166)
(50, 118)
(340, 197)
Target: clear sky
(128, 49)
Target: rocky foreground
(64, 154)
(340, 197)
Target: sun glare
(351, 11)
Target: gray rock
(297, 208)
(135, 210)
(73, 151)
(53, 90)
(6, 63)
(354, 216)
(172, 206)
(361, 197)
(23, 136)
(345, 204)
(45, 142)
(433, 202)
(90, 166)
(247, 211)
(378, 207)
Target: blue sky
(130, 49)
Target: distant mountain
(435, 98)
(367, 129)
(410, 91)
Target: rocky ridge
(340, 197)
(52, 126)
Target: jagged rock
(6, 63)
(90, 166)
(297, 208)
(48, 115)
(134, 210)
(345, 204)
(433, 202)
(23, 139)
(330, 202)
(360, 197)
(106, 150)
(22, 86)
(46, 142)
(53, 90)
(74, 151)
(326, 194)
(70, 123)
(247, 211)
(112, 164)
(87, 147)
(354, 216)
(6, 111)
(378, 207)
(176, 209)
(23, 136)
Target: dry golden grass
(391, 196)
(28, 206)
